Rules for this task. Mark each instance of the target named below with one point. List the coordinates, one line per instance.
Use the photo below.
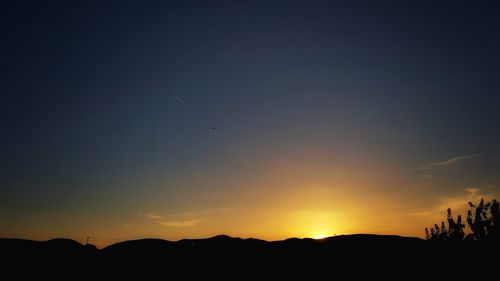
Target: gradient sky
(266, 119)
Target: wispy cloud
(199, 213)
(178, 99)
(181, 223)
(154, 216)
(448, 162)
(457, 203)
(185, 219)
(88, 115)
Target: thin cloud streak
(199, 213)
(184, 223)
(186, 219)
(179, 99)
(154, 216)
(457, 203)
(448, 162)
(88, 115)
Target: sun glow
(319, 236)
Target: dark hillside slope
(227, 257)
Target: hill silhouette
(227, 257)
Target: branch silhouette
(483, 220)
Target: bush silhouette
(483, 221)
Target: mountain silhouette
(228, 257)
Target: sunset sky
(266, 119)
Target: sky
(268, 119)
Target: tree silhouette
(495, 220)
(480, 222)
(455, 228)
(483, 220)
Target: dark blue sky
(108, 106)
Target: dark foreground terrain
(234, 258)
